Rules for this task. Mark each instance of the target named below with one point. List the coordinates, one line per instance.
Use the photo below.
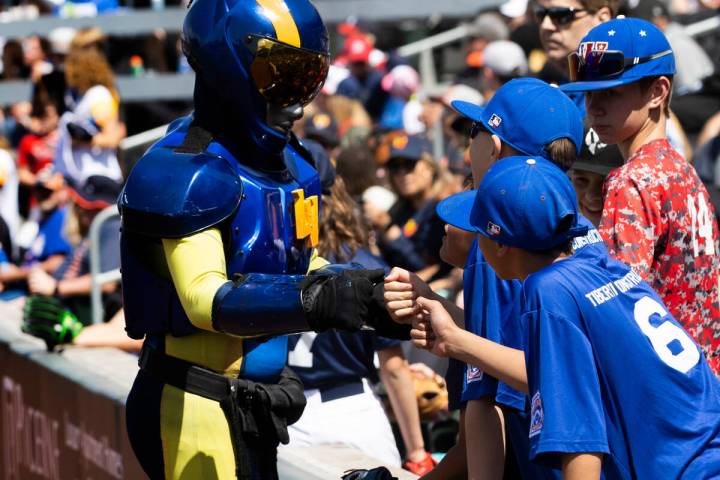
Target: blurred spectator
(354, 123)
(92, 131)
(322, 128)
(89, 38)
(36, 54)
(8, 202)
(504, 60)
(363, 82)
(42, 237)
(487, 27)
(71, 281)
(410, 235)
(401, 111)
(356, 165)
(13, 64)
(53, 85)
(36, 151)
(57, 329)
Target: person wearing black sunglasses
(563, 23)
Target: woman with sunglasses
(410, 234)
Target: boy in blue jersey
(502, 128)
(617, 387)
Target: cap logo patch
(586, 47)
(493, 229)
(495, 121)
(400, 142)
(321, 121)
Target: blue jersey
(329, 359)
(50, 239)
(497, 318)
(611, 371)
(492, 311)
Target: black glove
(78, 132)
(47, 318)
(341, 301)
(379, 473)
(381, 320)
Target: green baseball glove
(47, 318)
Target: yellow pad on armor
(307, 222)
(196, 438)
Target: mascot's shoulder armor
(171, 194)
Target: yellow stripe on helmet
(282, 20)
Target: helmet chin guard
(251, 53)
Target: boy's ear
(497, 147)
(658, 92)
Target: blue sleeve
(55, 241)
(381, 343)
(566, 410)
(401, 252)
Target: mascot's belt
(258, 414)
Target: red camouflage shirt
(657, 218)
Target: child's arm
(581, 466)
(437, 332)
(402, 288)
(485, 439)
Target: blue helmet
(248, 54)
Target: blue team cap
(619, 52)
(527, 114)
(524, 202)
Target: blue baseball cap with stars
(527, 114)
(619, 52)
(523, 202)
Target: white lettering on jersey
(301, 355)
(612, 289)
(591, 238)
(702, 231)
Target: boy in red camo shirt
(657, 216)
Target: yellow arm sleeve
(197, 267)
(316, 261)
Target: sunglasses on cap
(286, 75)
(558, 15)
(603, 64)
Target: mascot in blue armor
(220, 220)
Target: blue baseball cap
(524, 202)
(527, 114)
(619, 52)
(411, 147)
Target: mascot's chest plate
(276, 225)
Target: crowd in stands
(396, 149)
